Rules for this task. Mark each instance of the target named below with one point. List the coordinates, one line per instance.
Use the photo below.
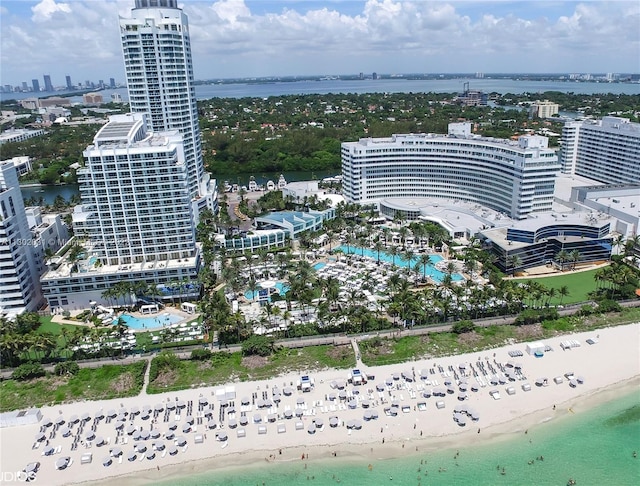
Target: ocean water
(594, 447)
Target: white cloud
(228, 39)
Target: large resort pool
(145, 323)
(431, 270)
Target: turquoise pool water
(148, 322)
(319, 266)
(282, 288)
(431, 271)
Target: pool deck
(59, 318)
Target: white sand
(614, 359)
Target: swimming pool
(140, 323)
(282, 289)
(319, 266)
(431, 271)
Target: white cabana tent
(535, 347)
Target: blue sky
(245, 38)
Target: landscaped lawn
(109, 381)
(579, 284)
(47, 325)
(229, 367)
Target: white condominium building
(543, 109)
(135, 222)
(607, 151)
(19, 285)
(135, 194)
(514, 177)
(157, 55)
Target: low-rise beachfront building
(19, 135)
(513, 177)
(252, 241)
(551, 239)
(295, 222)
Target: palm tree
(394, 252)
(562, 256)
(574, 257)
(425, 261)
(563, 291)
(513, 262)
(378, 247)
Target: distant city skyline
(251, 38)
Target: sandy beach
(611, 365)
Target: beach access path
(417, 422)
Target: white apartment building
(543, 109)
(158, 64)
(49, 234)
(135, 221)
(19, 286)
(607, 150)
(513, 177)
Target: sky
(259, 38)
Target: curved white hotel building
(514, 177)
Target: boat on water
(332, 180)
(271, 186)
(281, 182)
(227, 187)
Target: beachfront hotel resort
(143, 190)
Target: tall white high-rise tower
(157, 54)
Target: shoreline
(606, 368)
(498, 433)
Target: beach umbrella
(111, 413)
(350, 424)
(426, 394)
(169, 435)
(145, 434)
(189, 419)
(332, 396)
(299, 412)
(333, 384)
(123, 411)
(494, 380)
(173, 426)
(393, 411)
(155, 434)
(462, 421)
(451, 390)
(374, 414)
(580, 379)
(186, 428)
(277, 398)
(365, 403)
(120, 425)
(62, 463)
(106, 461)
(99, 414)
(222, 436)
(90, 435)
(573, 383)
(257, 418)
(300, 401)
(132, 456)
(146, 408)
(357, 424)
(312, 428)
(319, 422)
(518, 366)
(212, 424)
(171, 406)
(173, 450)
(342, 395)
(396, 376)
(380, 387)
(224, 403)
(260, 403)
(151, 455)
(181, 441)
(48, 450)
(145, 415)
(40, 437)
(287, 391)
(203, 401)
(159, 445)
(288, 414)
(65, 431)
(86, 417)
(244, 420)
(74, 419)
(181, 404)
(462, 387)
(245, 401)
(474, 388)
(333, 422)
(158, 407)
(47, 422)
(462, 366)
(462, 396)
(137, 435)
(134, 411)
(389, 381)
(32, 467)
(474, 416)
(60, 420)
(352, 404)
(501, 380)
(116, 451)
(271, 417)
(233, 423)
(367, 415)
(99, 441)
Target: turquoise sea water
(594, 447)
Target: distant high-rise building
(607, 151)
(25, 87)
(112, 83)
(69, 83)
(361, 76)
(8, 88)
(374, 76)
(47, 83)
(158, 65)
(36, 85)
(101, 83)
